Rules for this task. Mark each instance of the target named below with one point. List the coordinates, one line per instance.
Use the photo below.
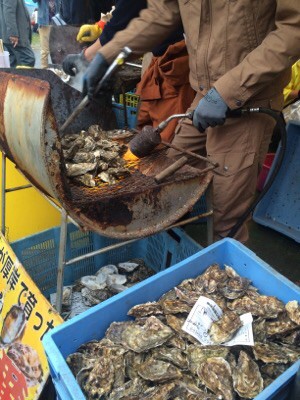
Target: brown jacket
(244, 48)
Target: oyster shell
(176, 324)
(132, 361)
(272, 353)
(93, 297)
(293, 338)
(116, 288)
(259, 330)
(128, 266)
(13, 325)
(115, 279)
(86, 180)
(27, 360)
(138, 338)
(235, 287)
(261, 306)
(158, 371)
(91, 282)
(196, 354)
(78, 361)
(79, 169)
(247, 380)
(273, 370)
(280, 325)
(223, 330)
(145, 310)
(211, 278)
(175, 356)
(132, 389)
(215, 373)
(107, 270)
(174, 306)
(293, 310)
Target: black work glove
(210, 111)
(94, 74)
(74, 63)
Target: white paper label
(204, 313)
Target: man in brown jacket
(240, 54)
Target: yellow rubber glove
(90, 33)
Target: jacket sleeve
(10, 17)
(125, 11)
(277, 52)
(153, 25)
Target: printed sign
(204, 313)
(25, 317)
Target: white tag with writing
(204, 313)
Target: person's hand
(89, 33)
(74, 63)
(14, 40)
(210, 111)
(93, 75)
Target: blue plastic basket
(131, 115)
(93, 323)
(39, 253)
(280, 208)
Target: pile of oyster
(151, 357)
(109, 280)
(94, 157)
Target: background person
(46, 10)
(15, 31)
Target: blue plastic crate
(131, 115)
(39, 253)
(280, 208)
(93, 323)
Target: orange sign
(25, 317)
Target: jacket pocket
(232, 163)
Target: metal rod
(192, 219)
(190, 153)
(134, 65)
(103, 250)
(3, 200)
(210, 219)
(171, 169)
(18, 188)
(61, 260)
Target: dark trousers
(20, 55)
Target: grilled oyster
(28, 362)
(79, 169)
(223, 330)
(293, 310)
(86, 180)
(158, 371)
(82, 157)
(13, 325)
(215, 373)
(196, 354)
(247, 380)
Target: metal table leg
(210, 217)
(61, 260)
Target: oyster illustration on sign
(13, 325)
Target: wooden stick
(1, 47)
(171, 169)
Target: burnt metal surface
(134, 207)
(63, 41)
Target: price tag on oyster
(204, 313)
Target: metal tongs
(119, 60)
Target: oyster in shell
(158, 371)
(273, 370)
(132, 389)
(175, 306)
(107, 270)
(293, 310)
(79, 169)
(271, 353)
(293, 338)
(211, 278)
(145, 310)
(27, 360)
(132, 361)
(259, 330)
(140, 338)
(235, 287)
(247, 380)
(92, 282)
(280, 325)
(215, 373)
(13, 325)
(115, 279)
(86, 180)
(175, 356)
(223, 330)
(93, 297)
(128, 266)
(258, 305)
(176, 324)
(196, 354)
(78, 361)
